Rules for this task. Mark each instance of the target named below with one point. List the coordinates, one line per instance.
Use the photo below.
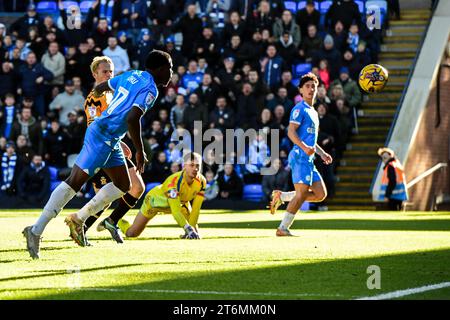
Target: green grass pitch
(239, 257)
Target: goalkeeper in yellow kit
(181, 194)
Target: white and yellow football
(373, 78)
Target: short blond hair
(97, 60)
(192, 156)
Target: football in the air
(373, 78)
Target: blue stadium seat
(291, 6)
(360, 6)
(53, 173)
(324, 6)
(300, 69)
(150, 186)
(68, 4)
(85, 6)
(54, 184)
(253, 192)
(47, 7)
(302, 4)
(382, 4)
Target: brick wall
(430, 147)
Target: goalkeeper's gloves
(190, 233)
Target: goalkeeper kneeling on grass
(181, 194)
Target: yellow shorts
(156, 202)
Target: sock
(107, 194)
(90, 221)
(287, 196)
(58, 199)
(126, 203)
(287, 220)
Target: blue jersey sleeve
(113, 82)
(146, 99)
(296, 116)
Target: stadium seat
(47, 7)
(53, 173)
(360, 6)
(324, 6)
(302, 4)
(300, 69)
(150, 186)
(68, 4)
(305, 206)
(253, 192)
(85, 6)
(291, 6)
(54, 184)
(382, 4)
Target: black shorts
(101, 178)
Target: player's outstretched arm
(134, 128)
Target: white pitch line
(232, 293)
(407, 292)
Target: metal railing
(425, 174)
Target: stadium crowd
(236, 65)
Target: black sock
(126, 203)
(90, 221)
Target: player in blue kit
(135, 92)
(303, 131)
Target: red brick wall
(430, 147)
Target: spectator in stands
(133, 17)
(346, 11)
(177, 57)
(312, 42)
(177, 112)
(55, 62)
(324, 73)
(195, 111)
(351, 89)
(394, 9)
(372, 36)
(246, 8)
(241, 52)
(67, 101)
(31, 18)
(173, 154)
(8, 79)
(277, 181)
(28, 126)
(24, 152)
(157, 131)
(160, 168)
(258, 156)
(118, 56)
(328, 125)
(101, 34)
(193, 78)
(353, 37)
(286, 82)
(321, 96)
(33, 184)
(340, 37)
(212, 187)
(207, 92)
(35, 43)
(272, 66)
(336, 92)
(75, 31)
(362, 56)
(227, 78)
(126, 43)
(230, 184)
(8, 113)
(345, 125)
(222, 117)
(306, 17)
(331, 54)
(80, 63)
(107, 10)
(75, 131)
(168, 100)
(9, 172)
(49, 26)
(190, 25)
(287, 23)
(33, 75)
(144, 46)
(235, 26)
(162, 13)
(217, 13)
(281, 99)
(246, 109)
(286, 48)
(56, 145)
(208, 46)
(262, 19)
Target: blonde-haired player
(102, 69)
(181, 194)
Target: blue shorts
(303, 169)
(99, 152)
